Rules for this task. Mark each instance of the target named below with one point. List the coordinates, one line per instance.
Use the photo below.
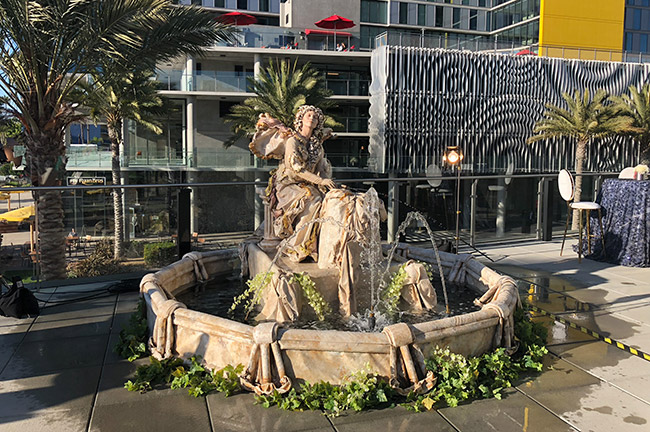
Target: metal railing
(485, 44)
(493, 208)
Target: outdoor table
(626, 222)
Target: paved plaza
(58, 371)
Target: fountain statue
(319, 244)
(313, 227)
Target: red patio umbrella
(526, 52)
(237, 18)
(335, 22)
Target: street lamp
(453, 156)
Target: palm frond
(280, 90)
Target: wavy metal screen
(423, 100)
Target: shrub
(159, 254)
(100, 262)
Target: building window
(643, 43)
(220, 3)
(473, 19)
(403, 12)
(264, 5)
(374, 11)
(636, 19)
(422, 15)
(628, 41)
(242, 4)
(456, 21)
(439, 16)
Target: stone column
(257, 68)
(501, 208)
(393, 208)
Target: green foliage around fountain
(392, 292)
(132, 343)
(459, 378)
(314, 299)
(252, 296)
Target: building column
(260, 176)
(191, 162)
(257, 68)
(501, 208)
(393, 209)
(190, 150)
(187, 82)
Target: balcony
(206, 81)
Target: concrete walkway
(58, 371)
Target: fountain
(331, 234)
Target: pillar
(393, 209)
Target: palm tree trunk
(115, 135)
(45, 151)
(51, 235)
(581, 153)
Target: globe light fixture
(453, 156)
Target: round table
(626, 222)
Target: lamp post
(453, 156)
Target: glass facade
(374, 11)
(637, 26)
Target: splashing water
(410, 217)
(372, 259)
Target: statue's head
(318, 130)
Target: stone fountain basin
(314, 355)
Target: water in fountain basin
(216, 297)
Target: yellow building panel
(588, 29)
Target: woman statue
(296, 189)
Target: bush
(159, 254)
(98, 263)
(134, 249)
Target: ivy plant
(132, 343)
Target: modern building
(204, 89)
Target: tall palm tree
(636, 106)
(584, 119)
(46, 46)
(280, 90)
(133, 95)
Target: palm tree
(636, 106)
(46, 47)
(133, 95)
(583, 120)
(280, 90)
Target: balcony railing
(493, 208)
(212, 81)
(508, 48)
(348, 87)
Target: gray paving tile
(56, 401)
(160, 410)
(70, 327)
(45, 356)
(48, 421)
(557, 374)
(240, 413)
(515, 412)
(10, 325)
(391, 419)
(597, 407)
(79, 309)
(117, 409)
